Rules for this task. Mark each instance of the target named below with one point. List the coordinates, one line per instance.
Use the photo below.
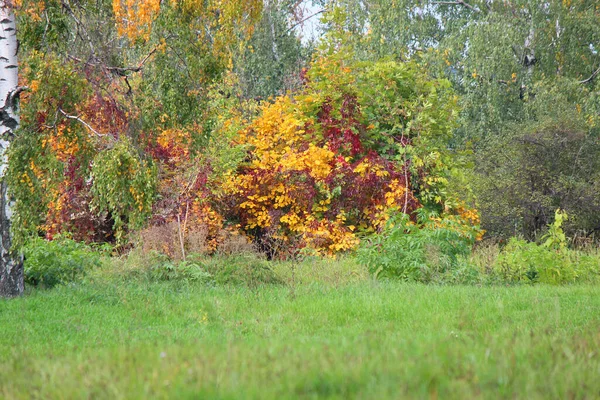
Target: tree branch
(122, 70)
(76, 118)
(591, 77)
(119, 70)
(458, 3)
(13, 95)
(303, 21)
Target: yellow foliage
(134, 17)
(222, 20)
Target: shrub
(49, 263)
(358, 142)
(522, 261)
(527, 172)
(416, 252)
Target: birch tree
(11, 264)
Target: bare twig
(591, 77)
(122, 70)
(303, 21)
(458, 3)
(181, 238)
(77, 118)
(67, 6)
(119, 70)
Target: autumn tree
(102, 75)
(11, 264)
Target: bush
(123, 186)
(413, 252)
(358, 142)
(49, 263)
(530, 170)
(551, 262)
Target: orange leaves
(34, 86)
(278, 141)
(134, 17)
(289, 186)
(202, 214)
(34, 9)
(105, 115)
(329, 237)
(223, 21)
(62, 141)
(175, 144)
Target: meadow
(317, 332)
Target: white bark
(11, 264)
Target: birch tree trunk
(11, 264)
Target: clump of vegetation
(441, 251)
(550, 164)
(550, 262)
(163, 269)
(124, 186)
(241, 269)
(63, 260)
(358, 142)
(417, 252)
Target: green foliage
(63, 260)
(273, 59)
(35, 32)
(124, 185)
(240, 269)
(555, 238)
(34, 171)
(407, 251)
(552, 262)
(527, 262)
(531, 170)
(228, 114)
(163, 269)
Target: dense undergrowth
(403, 251)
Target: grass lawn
(358, 340)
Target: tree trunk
(11, 264)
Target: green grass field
(365, 339)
